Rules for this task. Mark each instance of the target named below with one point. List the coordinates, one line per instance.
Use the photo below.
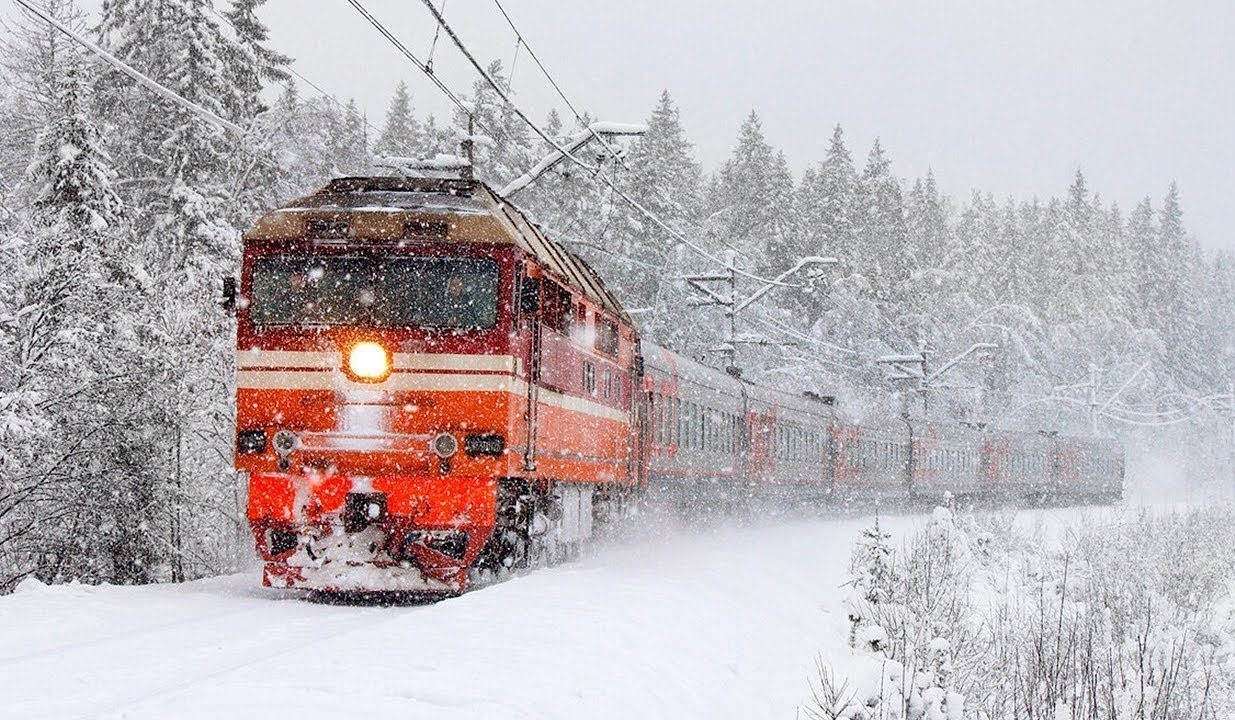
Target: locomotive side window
(375, 291)
(662, 420)
(606, 336)
(665, 415)
(589, 378)
(675, 427)
(557, 308)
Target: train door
(643, 413)
(760, 461)
(529, 310)
(995, 452)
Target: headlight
(368, 362)
(445, 445)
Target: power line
(325, 95)
(539, 64)
(578, 116)
(426, 69)
(596, 172)
(557, 88)
(140, 78)
(497, 87)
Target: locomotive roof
(380, 208)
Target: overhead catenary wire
(322, 92)
(520, 40)
(433, 45)
(578, 116)
(574, 110)
(595, 171)
(532, 54)
(427, 70)
(497, 87)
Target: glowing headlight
(369, 362)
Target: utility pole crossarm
(952, 363)
(904, 367)
(714, 298)
(1127, 383)
(728, 298)
(779, 279)
(895, 359)
(573, 144)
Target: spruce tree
(752, 199)
(1146, 292)
(179, 171)
(825, 201)
(250, 62)
(1178, 321)
(401, 134)
(662, 175)
(437, 139)
(351, 157)
(880, 227)
(70, 267)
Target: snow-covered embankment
(721, 623)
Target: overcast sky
(1007, 96)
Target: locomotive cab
(388, 380)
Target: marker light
(445, 445)
(368, 362)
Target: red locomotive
(428, 387)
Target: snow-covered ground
(721, 622)
(717, 623)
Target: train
(429, 390)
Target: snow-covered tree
(662, 175)
(752, 201)
(63, 369)
(825, 202)
(880, 225)
(401, 135)
(438, 139)
(178, 183)
(250, 62)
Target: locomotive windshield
(374, 291)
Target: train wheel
(525, 535)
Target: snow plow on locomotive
(428, 387)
